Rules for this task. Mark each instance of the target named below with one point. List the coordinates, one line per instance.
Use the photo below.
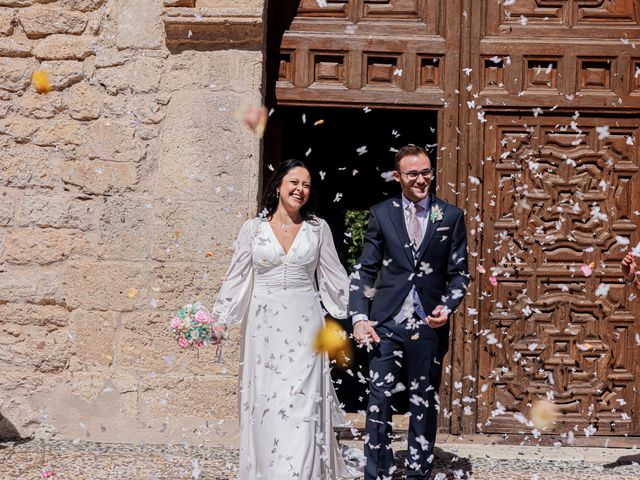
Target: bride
(285, 263)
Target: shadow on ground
(8, 433)
(444, 462)
(624, 460)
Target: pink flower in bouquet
(183, 342)
(202, 317)
(493, 280)
(175, 323)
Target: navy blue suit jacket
(387, 263)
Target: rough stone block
(173, 395)
(39, 21)
(82, 5)
(29, 284)
(191, 116)
(7, 203)
(15, 73)
(43, 246)
(112, 140)
(145, 74)
(114, 79)
(19, 129)
(217, 71)
(59, 133)
(56, 211)
(91, 284)
(50, 317)
(139, 25)
(30, 166)
(174, 285)
(6, 23)
(33, 347)
(84, 102)
(64, 47)
(93, 338)
(10, 47)
(63, 74)
(96, 177)
(124, 228)
(35, 105)
(192, 231)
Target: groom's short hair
(409, 151)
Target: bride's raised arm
(333, 282)
(235, 292)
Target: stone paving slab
(79, 460)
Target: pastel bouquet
(193, 326)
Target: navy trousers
(420, 348)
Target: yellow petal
(41, 81)
(543, 413)
(318, 122)
(333, 340)
(209, 254)
(132, 292)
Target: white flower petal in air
(602, 290)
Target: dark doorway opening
(348, 150)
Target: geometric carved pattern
(285, 67)
(542, 73)
(430, 74)
(329, 68)
(562, 17)
(559, 196)
(594, 74)
(493, 74)
(635, 76)
(382, 70)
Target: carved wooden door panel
(559, 198)
(554, 85)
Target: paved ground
(96, 461)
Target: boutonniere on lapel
(436, 213)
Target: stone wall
(121, 192)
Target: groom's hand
(363, 332)
(438, 317)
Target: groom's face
(417, 189)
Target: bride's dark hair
(270, 198)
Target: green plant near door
(355, 222)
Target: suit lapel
(397, 219)
(431, 227)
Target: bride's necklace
(282, 225)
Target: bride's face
(295, 188)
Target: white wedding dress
(287, 402)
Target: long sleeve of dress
(234, 297)
(333, 282)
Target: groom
(411, 276)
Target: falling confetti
(333, 340)
(318, 122)
(40, 81)
(543, 413)
(132, 292)
(587, 270)
(255, 117)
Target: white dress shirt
(412, 302)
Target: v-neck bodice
(285, 252)
(275, 268)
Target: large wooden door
(538, 108)
(554, 88)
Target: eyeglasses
(413, 175)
